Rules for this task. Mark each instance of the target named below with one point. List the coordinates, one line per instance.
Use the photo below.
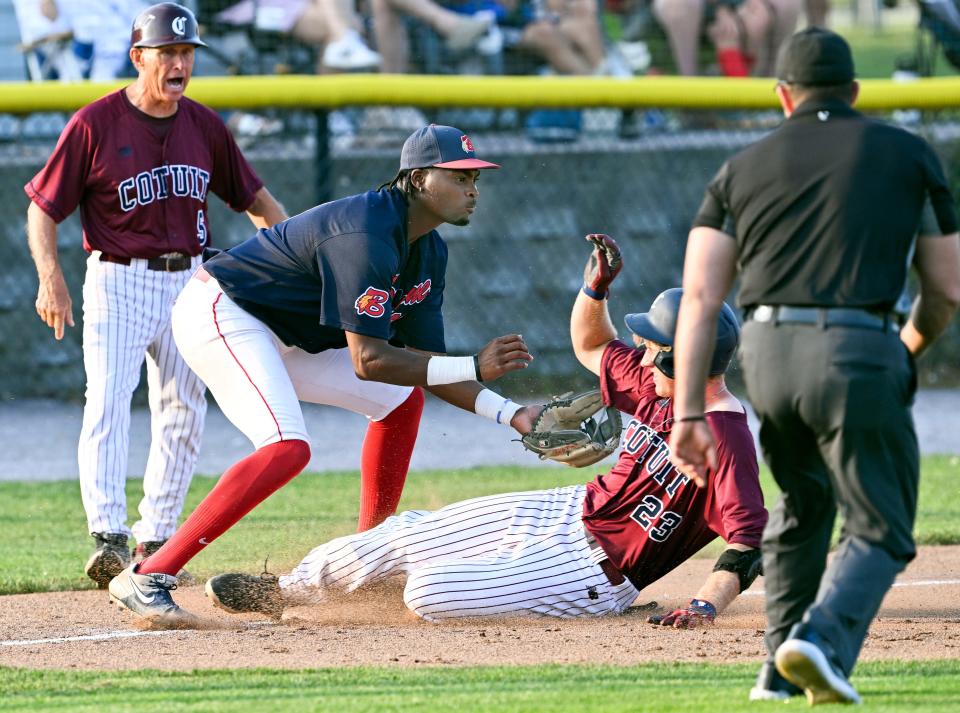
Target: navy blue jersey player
(339, 305)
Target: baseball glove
(576, 429)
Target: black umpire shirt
(825, 210)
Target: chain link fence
(638, 175)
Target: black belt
(171, 262)
(826, 317)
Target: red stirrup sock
(245, 485)
(385, 459)
(734, 62)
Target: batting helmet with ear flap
(659, 325)
(165, 24)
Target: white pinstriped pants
(510, 554)
(126, 317)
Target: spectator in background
(565, 33)
(333, 25)
(816, 12)
(101, 33)
(745, 33)
(461, 32)
(46, 41)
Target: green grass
(43, 541)
(664, 688)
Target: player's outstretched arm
(591, 329)
(375, 359)
(53, 298)
(474, 397)
(734, 572)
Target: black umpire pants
(837, 432)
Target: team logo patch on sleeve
(371, 302)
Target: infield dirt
(918, 620)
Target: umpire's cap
(438, 146)
(815, 57)
(165, 24)
(660, 325)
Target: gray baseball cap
(438, 146)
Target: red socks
(734, 62)
(385, 459)
(383, 469)
(244, 486)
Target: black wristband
(683, 419)
(593, 294)
(476, 366)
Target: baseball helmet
(659, 325)
(165, 24)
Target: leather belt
(171, 262)
(826, 317)
(614, 575)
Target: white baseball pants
(126, 316)
(510, 554)
(257, 380)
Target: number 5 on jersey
(201, 228)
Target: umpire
(827, 214)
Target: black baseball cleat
(771, 686)
(808, 661)
(109, 559)
(148, 596)
(239, 593)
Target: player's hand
(523, 419)
(54, 304)
(503, 354)
(693, 450)
(604, 263)
(697, 613)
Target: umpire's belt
(826, 317)
(170, 262)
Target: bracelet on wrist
(476, 366)
(685, 419)
(593, 294)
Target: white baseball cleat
(148, 596)
(806, 665)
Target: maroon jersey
(646, 515)
(142, 183)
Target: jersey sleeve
(714, 207)
(233, 178)
(423, 328)
(357, 274)
(622, 381)
(738, 498)
(59, 186)
(939, 196)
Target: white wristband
(492, 405)
(450, 370)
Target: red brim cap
(465, 164)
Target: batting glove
(602, 267)
(697, 613)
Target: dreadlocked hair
(402, 183)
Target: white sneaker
(469, 30)
(805, 665)
(148, 596)
(350, 52)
